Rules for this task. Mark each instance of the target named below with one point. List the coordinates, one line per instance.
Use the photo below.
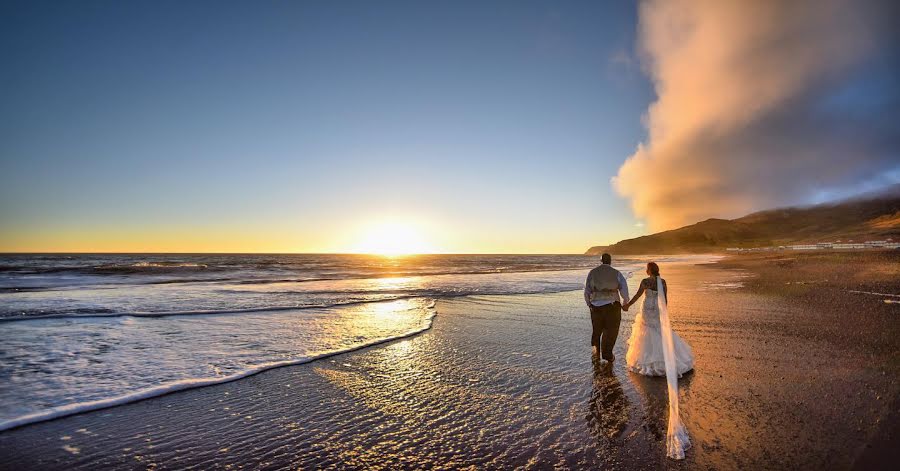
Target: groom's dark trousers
(605, 322)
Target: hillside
(874, 216)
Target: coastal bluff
(869, 217)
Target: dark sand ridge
(504, 381)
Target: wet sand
(782, 381)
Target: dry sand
(786, 378)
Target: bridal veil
(677, 440)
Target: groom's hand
(625, 307)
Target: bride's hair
(653, 268)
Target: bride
(655, 350)
(645, 347)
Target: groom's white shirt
(589, 293)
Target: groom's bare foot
(602, 366)
(596, 358)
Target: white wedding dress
(655, 350)
(645, 347)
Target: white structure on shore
(836, 245)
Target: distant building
(836, 245)
(849, 246)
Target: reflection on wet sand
(608, 405)
(655, 400)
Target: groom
(602, 289)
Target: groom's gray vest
(604, 284)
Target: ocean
(82, 332)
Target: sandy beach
(793, 371)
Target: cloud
(761, 104)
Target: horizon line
(285, 253)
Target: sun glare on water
(392, 239)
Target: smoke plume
(763, 103)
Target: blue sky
(290, 126)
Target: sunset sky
(460, 126)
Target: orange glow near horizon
(391, 233)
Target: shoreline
(185, 385)
(507, 381)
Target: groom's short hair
(606, 259)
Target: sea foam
(191, 383)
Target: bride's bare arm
(637, 295)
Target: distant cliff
(874, 216)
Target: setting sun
(393, 239)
